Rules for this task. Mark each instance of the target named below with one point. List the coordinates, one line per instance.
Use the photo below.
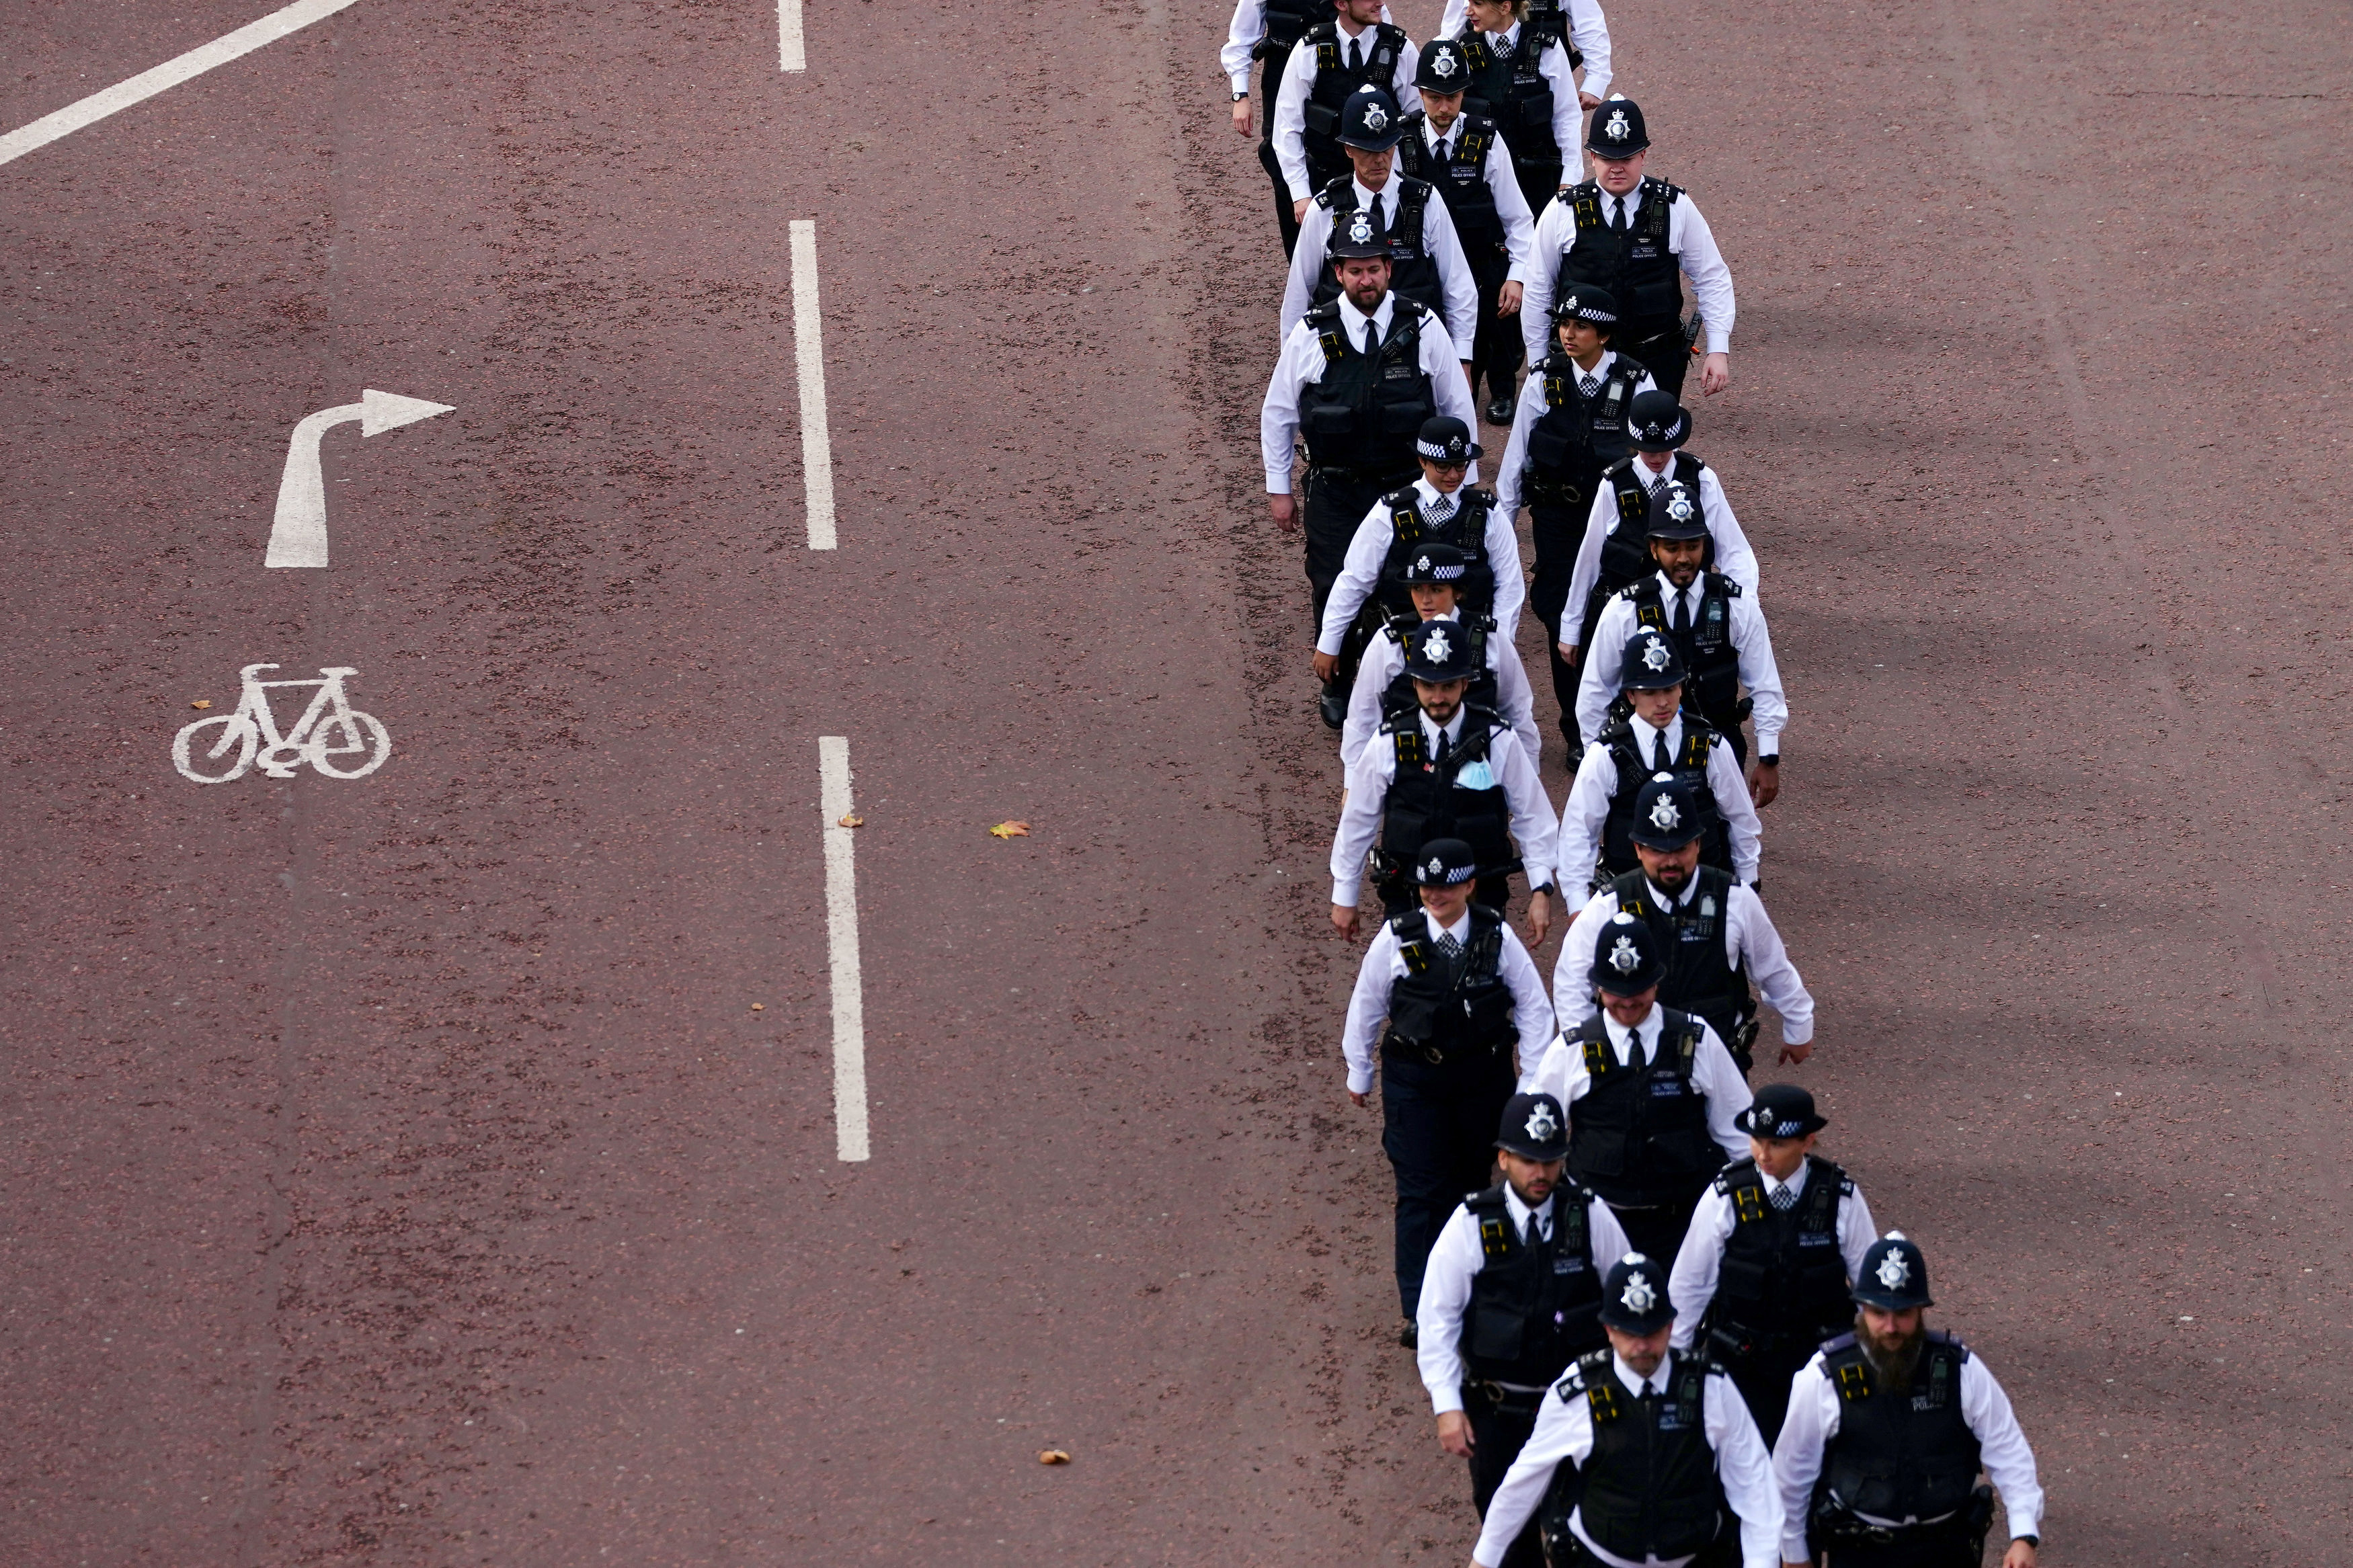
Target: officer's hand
(1716, 373)
(1299, 210)
(1286, 513)
(1765, 783)
(1539, 919)
(1344, 919)
(1242, 117)
(1357, 1100)
(1587, 101)
(1792, 1055)
(1507, 300)
(1454, 1434)
(1326, 665)
(2020, 1555)
(1568, 653)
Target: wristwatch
(2033, 1541)
(1239, 96)
(1772, 762)
(1550, 890)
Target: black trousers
(1557, 530)
(1664, 356)
(1496, 352)
(1929, 1547)
(1539, 182)
(1337, 501)
(1762, 1378)
(1656, 1232)
(1284, 202)
(1438, 1128)
(1497, 1436)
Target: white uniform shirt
(1368, 788)
(1734, 557)
(1290, 136)
(1587, 810)
(1514, 471)
(1242, 35)
(1748, 936)
(1588, 29)
(1688, 237)
(1301, 364)
(1511, 205)
(1563, 1430)
(1561, 1073)
(1568, 113)
(1750, 641)
(1692, 1286)
(1383, 967)
(1385, 656)
(1457, 1255)
(1814, 1421)
(1360, 569)
(1309, 263)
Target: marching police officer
(1638, 238)
(1352, 48)
(1523, 77)
(1358, 375)
(1718, 631)
(1512, 1296)
(1570, 426)
(1459, 993)
(1588, 32)
(1603, 815)
(1666, 1467)
(1614, 548)
(1383, 690)
(1425, 260)
(1652, 1092)
(1888, 1426)
(1446, 771)
(1437, 508)
(1468, 162)
(1714, 930)
(1761, 1280)
(1269, 30)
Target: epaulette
(1731, 589)
(1333, 190)
(1672, 191)
(1329, 311)
(1832, 1346)
(1724, 1177)
(1938, 1337)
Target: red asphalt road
(397, 1171)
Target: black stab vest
(1378, 47)
(1515, 93)
(1648, 1487)
(1626, 552)
(1413, 272)
(1465, 529)
(1900, 1454)
(1533, 1309)
(1781, 1275)
(1710, 661)
(1445, 1012)
(1629, 742)
(1635, 266)
(1461, 180)
(1700, 978)
(1576, 436)
(1428, 801)
(1366, 410)
(1640, 1139)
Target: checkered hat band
(1447, 573)
(1433, 450)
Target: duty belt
(1355, 471)
(1509, 1399)
(1420, 1050)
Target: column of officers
(1670, 1333)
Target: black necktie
(1661, 760)
(1682, 614)
(1437, 753)
(1618, 214)
(1636, 1059)
(1372, 338)
(1649, 1394)
(1536, 1228)
(1374, 212)
(1356, 60)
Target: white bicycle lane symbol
(329, 730)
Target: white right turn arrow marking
(298, 536)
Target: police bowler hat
(1439, 650)
(1655, 422)
(1436, 564)
(1780, 1110)
(1534, 1128)
(1617, 132)
(1445, 863)
(1634, 1298)
(1626, 961)
(1587, 303)
(1443, 66)
(1650, 663)
(1895, 1276)
(1446, 439)
(1369, 120)
(1664, 817)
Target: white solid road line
(809, 345)
(298, 533)
(841, 929)
(790, 55)
(172, 73)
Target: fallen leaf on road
(759, 1006)
(853, 822)
(1011, 830)
(1053, 1457)
(201, 703)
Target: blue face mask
(1475, 775)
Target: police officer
(1588, 32)
(1425, 260)
(1512, 1296)
(1638, 238)
(1523, 77)
(1446, 771)
(1715, 931)
(1652, 1094)
(1440, 507)
(1613, 552)
(1666, 1468)
(1601, 817)
(1269, 30)
(1570, 425)
(1888, 1426)
(1359, 376)
(1459, 993)
(1467, 162)
(1383, 690)
(1351, 49)
(1718, 631)
(1761, 1280)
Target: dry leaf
(201, 703)
(1011, 830)
(853, 822)
(759, 1006)
(1053, 1457)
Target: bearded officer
(1715, 931)
(1762, 1277)
(1269, 30)
(1448, 771)
(1888, 1426)
(1358, 375)
(1652, 1094)
(1458, 992)
(1638, 238)
(1351, 49)
(1467, 162)
(1425, 260)
(1655, 738)
(1383, 690)
(1570, 425)
(1666, 1466)
(1512, 1296)
(1718, 631)
(1613, 550)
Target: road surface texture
(398, 1170)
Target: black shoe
(1410, 1335)
(1498, 413)
(1333, 705)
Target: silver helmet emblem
(1623, 958)
(1679, 507)
(1663, 813)
(1361, 231)
(1435, 868)
(1377, 119)
(1542, 1123)
(1637, 1298)
(1568, 306)
(1655, 655)
(1436, 646)
(1443, 63)
(1616, 129)
(1894, 1272)
(1422, 566)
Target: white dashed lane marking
(790, 55)
(841, 930)
(808, 346)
